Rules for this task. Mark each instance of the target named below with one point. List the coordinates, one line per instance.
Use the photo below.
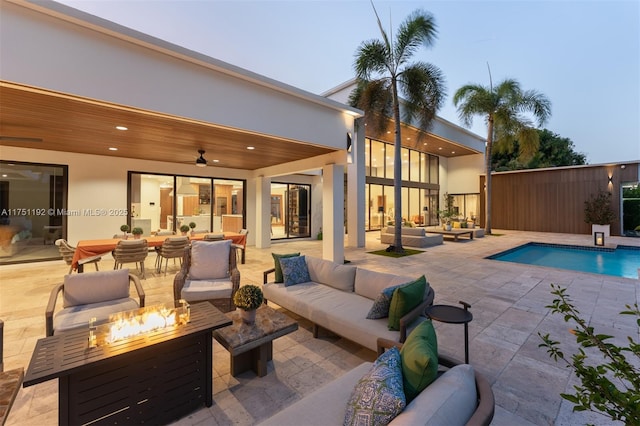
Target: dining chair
(171, 248)
(131, 251)
(243, 247)
(219, 236)
(67, 251)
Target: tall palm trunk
(487, 180)
(397, 171)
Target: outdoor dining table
(89, 248)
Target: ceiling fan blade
(19, 139)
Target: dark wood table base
(255, 359)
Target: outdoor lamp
(598, 238)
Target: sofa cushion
(380, 308)
(419, 359)
(198, 290)
(79, 316)
(404, 299)
(378, 397)
(450, 400)
(294, 270)
(332, 274)
(277, 267)
(209, 260)
(312, 410)
(370, 283)
(95, 287)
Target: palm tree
(504, 108)
(383, 71)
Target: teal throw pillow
(419, 356)
(380, 308)
(278, 268)
(405, 298)
(294, 270)
(379, 396)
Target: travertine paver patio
(508, 303)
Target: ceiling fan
(201, 161)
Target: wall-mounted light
(610, 180)
(598, 238)
(348, 142)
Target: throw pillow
(404, 299)
(380, 308)
(294, 270)
(276, 261)
(378, 397)
(419, 356)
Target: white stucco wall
(464, 174)
(98, 59)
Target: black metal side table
(453, 315)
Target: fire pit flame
(128, 324)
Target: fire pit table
(251, 346)
(151, 378)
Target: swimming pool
(623, 261)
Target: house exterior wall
(552, 200)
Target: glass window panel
(389, 158)
(414, 166)
(424, 168)
(378, 206)
(433, 169)
(414, 206)
(405, 163)
(228, 205)
(151, 202)
(33, 201)
(377, 159)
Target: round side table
(453, 315)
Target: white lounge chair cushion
(79, 316)
(450, 400)
(331, 273)
(95, 287)
(209, 260)
(198, 290)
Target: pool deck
(507, 301)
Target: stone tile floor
(507, 300)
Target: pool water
(623, 261)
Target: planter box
(601, 228)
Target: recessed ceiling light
(113, 148)
(121, 128)
(440, 148)
(425, 144)
(251, 147)
(216, 161)
(453, 152)
(4, 175)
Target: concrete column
(333, 212)
(263, 212)
(355, 187)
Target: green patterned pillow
(276, 261)
(405, 298)
(294, 270)
(419, 355)
(378, 397)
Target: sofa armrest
(265, 275)
(384, 344)
(181, 277)
(410, 317)
(48, 314)
(139, 289)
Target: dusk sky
(583, 55)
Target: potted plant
(124, 228)
(448, 213)
(137, 232)
(319, 236)
(184, 229)
(599, 213)
(248, 298)
(192, 225)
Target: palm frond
(385, 38)
(375, 98)
(472, 100)
(529, 141)
(371, 59)
(536, 103)
(423, 88)
(419, 29)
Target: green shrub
(248, 297)
(137, 231)
(192, 225)
(598, 210)
(124, 228)
(184, 228)
(609, 385)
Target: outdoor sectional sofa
(458, 396)
(411, 237)
(338, 298)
